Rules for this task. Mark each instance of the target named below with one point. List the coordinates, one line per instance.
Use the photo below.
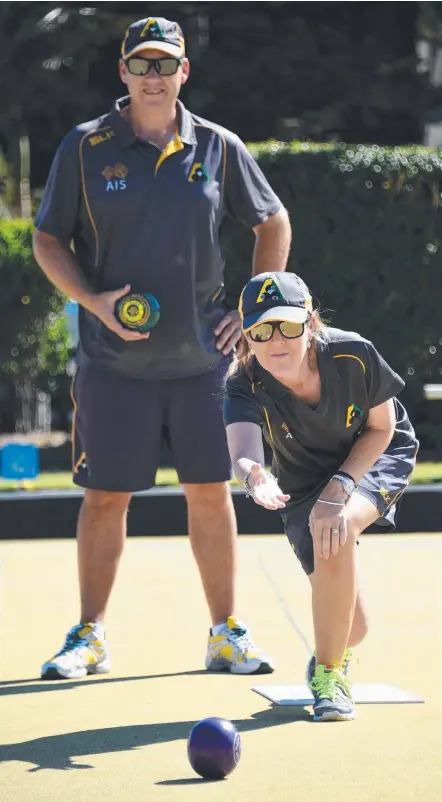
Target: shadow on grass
(59, 751)
(13, 687)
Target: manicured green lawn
(425, 472)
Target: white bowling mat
(362, 693)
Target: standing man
(142, 192)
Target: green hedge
(34, 344)
(367, 239)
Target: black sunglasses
(263, 332)
(163, 66)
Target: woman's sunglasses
(163, 66)
(263, 332)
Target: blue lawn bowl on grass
(214, 748)
(19, 462)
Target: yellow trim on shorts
(74, 415)
(399, 493)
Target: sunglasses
(263, 332)
(163, 66)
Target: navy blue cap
(274, 296)
(153, 33)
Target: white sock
(99, 630)
(217, 629)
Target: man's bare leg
(101, 533)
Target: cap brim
(295, 314)
(165, 47)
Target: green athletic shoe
(332, 695)
(312, 665)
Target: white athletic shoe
(83, 652)
(233, 650)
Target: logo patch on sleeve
(353, 412)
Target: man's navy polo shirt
(151, 219)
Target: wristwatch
(347, 482)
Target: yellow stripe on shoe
(233, 650)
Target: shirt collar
(186, 128)
(271, 386)
(276, 391)
(186, 125)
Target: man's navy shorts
(120, 423)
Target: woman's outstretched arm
(247, 455)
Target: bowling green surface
(122, 737)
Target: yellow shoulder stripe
(268, 424)
(84, 189)
(350, 356)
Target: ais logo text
(115, 177)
